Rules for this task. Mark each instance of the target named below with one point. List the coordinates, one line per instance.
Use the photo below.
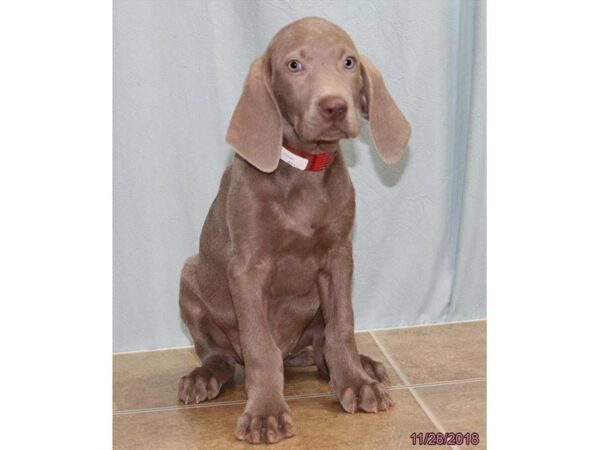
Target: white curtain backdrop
(419, 237)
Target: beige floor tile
(320, 423)
(160, 430)
(459, 408)
(438, 353)
(150, 379)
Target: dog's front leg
(266, 417)
(355, 380)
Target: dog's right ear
(255, 130)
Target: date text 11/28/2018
(444, 438)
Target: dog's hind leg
(212, 346)
(375, 369)
(303, 358)
(204, 383)
(309, 351)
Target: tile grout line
(368, 330)
(398, 387)
(128, 412)
(438, 383)
(410, 388)
(162, 349)
(421, 325)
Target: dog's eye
(294, 65)
(349, 62)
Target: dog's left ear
(389, 127)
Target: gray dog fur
(271, 285)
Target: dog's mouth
(327, 132)
(332, 134)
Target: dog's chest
(304, 214)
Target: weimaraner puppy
(271, 284)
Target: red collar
(302, 160)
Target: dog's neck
(290, 178)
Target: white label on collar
(293, 160)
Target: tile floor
(438, 376)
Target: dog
(271, 285)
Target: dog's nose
(333, 108)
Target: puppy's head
(316, 81)
(313, 78)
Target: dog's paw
(265, 425)
(375, 369)
(199, 385)
(363, 394)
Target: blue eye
(294, 65)
(349, 62)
